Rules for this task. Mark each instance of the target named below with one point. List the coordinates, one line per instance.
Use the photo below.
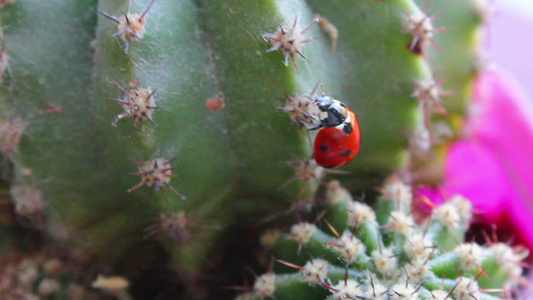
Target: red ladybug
(337, 145)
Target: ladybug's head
(324, 102)
(333, 111)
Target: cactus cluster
(184, 96)
(355, 252)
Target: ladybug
(337, 145)
(332, 112)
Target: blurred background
(509, 42)
(509, 46)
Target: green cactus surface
(132, 126)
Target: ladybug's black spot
(346, 153)
(348, 128)
(323, 148)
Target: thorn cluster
(417, 270)
(360, 213)
(349, 247)
(137, 103)
(131, 27)
(417, 246)
(421, 27)
(155, 174)
(264, 285)
(467, 289)
(302, 232)
(28, 200)
(349, 289)
(429, 93)
(401, 291)
(509, 259)
(464, 207)
(385, 260)
(335, 193)
(470, 255)
(448, 215)
(302, 109)
(289, 40)
(315, 271)
(400, 223)
(420, 140)
(398, 192)
(174, 225)
(305, 170)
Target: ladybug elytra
(339, 140)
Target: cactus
(183, 96)
(455, 59)
(356, 252)
(460, 56)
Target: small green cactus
(356, 252)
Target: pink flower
(493, 164)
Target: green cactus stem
(411, 261)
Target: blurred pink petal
(493, 164)
(475, 172)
